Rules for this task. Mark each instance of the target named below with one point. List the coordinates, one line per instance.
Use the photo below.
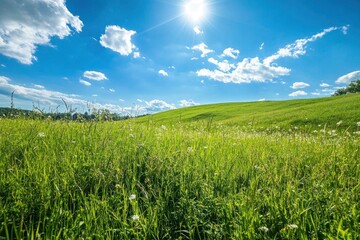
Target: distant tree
(353, 87)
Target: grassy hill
(305, 112)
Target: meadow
(179, 179)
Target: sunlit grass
(125, 180)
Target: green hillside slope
(305, 112)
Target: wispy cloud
(324, 85)
(198, 30)
(298, 85)
(262, 46)
(346, 79)
(298, 48)
(83, 82)
(203, 48)
(94, 75)
(33, 23)
(118, 39)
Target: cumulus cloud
(24, 25)
(83, 82)
(224, 66)
(118, 39)
(187, 103)
(298, 48)
(298, 93)
(246, 71)
(203, 48)
(253, 69)
(94, 75)
(198, 30)
(346, 79)
(163, 73)
(298, 85)
(230, 52)
(157, 105)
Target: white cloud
(93, 75)
(298, 48)
(297, 85)
(118, 39)
(345, 29)
(316, 93)
(136, 54)
(262, 100)
(224, 66)
(83, 82)
(298, 93)
(346, 79)
(38, 86)
(253, 69)
(111, 90)
(163, 73)
(230, 52)
(246, 71)
(94, 95)
(187, 103)
(194, 58)
(24, 25)
(262, 46)
(203, 48)
(198, 30)
(139, 100)
(3, 65)
(324, 85)
(158, 105)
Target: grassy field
(305, 113)
(218, 178)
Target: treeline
(354, 87)
(96, 115)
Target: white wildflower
(357, 133)
(339, 123)
(163, 127)
(358, 124)
(264, 229)
(41, 134)
(132, 197)
(135, 217)
(190, 149)
(292, 226)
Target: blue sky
(145, 56)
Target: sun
(195, 10)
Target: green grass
(302, 113)
(191, 180)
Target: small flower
(118, 186)
(131, 135)
(190, 149)
(358, 124)
(163, 127)
(132, 197)
(135, 217)
(292, 226)
(41, 134)
(339, 123)
(264, 229)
